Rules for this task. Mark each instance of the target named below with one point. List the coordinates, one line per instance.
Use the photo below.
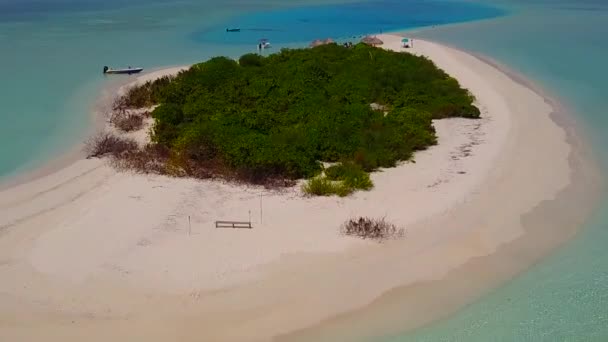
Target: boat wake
(263, 30)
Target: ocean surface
(52, 53)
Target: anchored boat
(264, 43)
(233, 30)
(129, 70)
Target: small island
(94, 249)
(330, 114)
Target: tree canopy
(262, 118)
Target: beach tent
(373, 41)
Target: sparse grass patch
(150, 159)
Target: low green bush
(321, 186)
(351, 174)
(359, 182)
(340, 179)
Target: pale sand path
(89, 252)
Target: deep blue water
(342, 22)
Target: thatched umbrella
(316, 42)
(373, 41)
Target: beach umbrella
(405, 40)
(369, 40)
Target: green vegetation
(340, 179)
(263, 119)
(145, 95)
(351, 174)
(321, 186)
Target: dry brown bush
(107, 143)
(129, 122)
(279, 183)
(125, 121)
(370, 228)
(158, 159)
(119, 104)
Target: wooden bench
(232, 224)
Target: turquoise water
(51, 60)
(562, 45)
(53, 51)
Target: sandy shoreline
(90, 252)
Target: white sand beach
(88, 253)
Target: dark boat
(129, 70)
(233, 30)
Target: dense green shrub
(251, 60)
(144, 95)
(279, 117)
